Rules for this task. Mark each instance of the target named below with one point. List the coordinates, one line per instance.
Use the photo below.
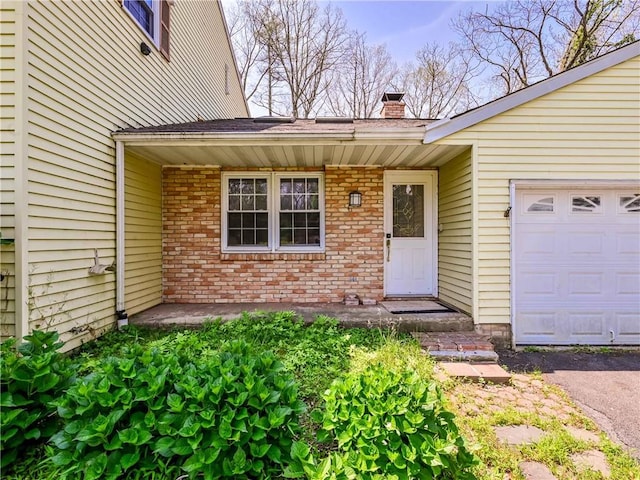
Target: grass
(319, 353)
(316, 354)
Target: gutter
(399, 136)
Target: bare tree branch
(437, 84)
(524, 41)
(358, 82)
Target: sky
(405, 26)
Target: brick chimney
(392, 105)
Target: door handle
(388, 249)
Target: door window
(408, 211)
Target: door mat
(415, 306)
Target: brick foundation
(499, 333)
(196, 271)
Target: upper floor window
(153, 18)
(143, 12)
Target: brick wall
(499, 333)
(196, 271)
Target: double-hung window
(145, 13)
(153, 18)
(273, 212)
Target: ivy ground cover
(261, 397)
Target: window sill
(271, 257)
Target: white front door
(410, 233)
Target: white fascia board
(401, 134)
(447, 126)
(408, 137)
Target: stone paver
(519, 434)
(492, 373)
(475, 372)
(592, 460)
(583, 435)
(536, 471)
(529, 394)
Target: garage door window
(630, 204)
(585, 204)
(541, 205)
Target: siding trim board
(22, 173)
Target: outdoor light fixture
(144, 49)
(355, 199)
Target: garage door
(577, 266)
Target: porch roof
(286, 142)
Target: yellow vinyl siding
(87, 78)
(7, 167)
(143, 234)
(455, 240)
(588, 130)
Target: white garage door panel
(577, 267)
(628, 328)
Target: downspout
(512, 272)
(121, 313)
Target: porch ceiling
(254, 143)
(297, 155)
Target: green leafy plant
(229, 415)
(31, 375)
(386, 424)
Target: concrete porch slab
(368, 316)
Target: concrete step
(487, 372)
(363, 316)
(457, 346)
(472, 356)
(461, 341)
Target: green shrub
(31, 376)
(159, 415)
(387, 425)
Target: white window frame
(273, 212)
(155, 6)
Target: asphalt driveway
(605, 385)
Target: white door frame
(396, 176)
